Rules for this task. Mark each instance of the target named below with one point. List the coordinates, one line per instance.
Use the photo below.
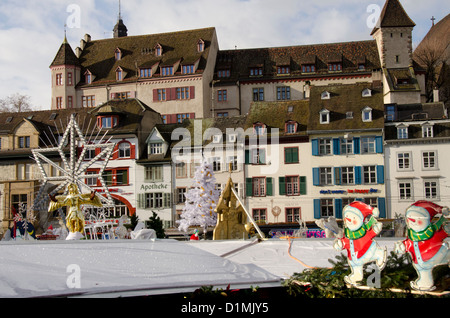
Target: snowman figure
(360, 227)
(425, 242)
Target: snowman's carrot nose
(348, 220)
(412, 220)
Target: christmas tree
(201, 200)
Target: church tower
(393, 35)
(120, 30)
(65, 70)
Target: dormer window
(361, 66)
(335, 67)
(120, 74)
(217, 139)
(166, 70)
(188, 69)
(291, 127)
(367, 92)
(308, 68)
(88, 77)
(367, 114)
(118, 54)
(200, 45)
(283, 70)
(146, 72)
(427, 130)
(259, 129)
(325, 95)
(107, 122)
(158, 50)
(224, 73)
(324, 116)
(256, 71)
(402, 132)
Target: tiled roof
(345, 99)
(350, 54)
(393, 15)
(65, 56)
(138, 51)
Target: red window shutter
(192, 115)
(173, 119)
(192, 92)
(133, 152)
(116, 152)
(155, 95)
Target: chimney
(435, 95)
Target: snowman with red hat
(360, 228)
(425, 242)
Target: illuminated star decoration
(74, 168)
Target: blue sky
(31, 31)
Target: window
(361, 66)
(283, 93)
(88, 101)
(154, 200)
(259, 187)
(156, 148)
(92, 181)
(367, 114)
(161, 94)
(335, 67)
(259, 129)
(405, 190)
(260, 215)
(183, 93)
(292, 185)
(427, 131)
(370, 174)
(325, 116)
(233, 160)
(118, 54)
(167, 70)
(24, 171)
(256, 71)
(124, 150)
(158, 50)
(347, 175)
(309, 68)
(182, 117)
(402, 132)
(107, 122)
(404, 161)
(59, 79)
(89, 154)
(349, 115)
(324, 147)
(181, 198)
(429, 159)
(223, 73)
(367, 92)
(181, 170)
(368, 144)
(431, 189)
(326, 177)
(223, 114)
(291, 155)
(18, 199)
(291, 127)
(258, 94)
(326, 208)
(216, 164)
(121, 95)
(390, 113)
(259, 156)
(283, 70)
(88, 78)
(188, 69)
(116, 177)
(69, 102)
(292, 215)
(119, 74)
(146, 72)
(222, 95)
(24, 142)
(200, 46)
(70, 78)
(59, 102)
(325, 95)
(346, 146)
(153, 173)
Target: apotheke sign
(147, 187)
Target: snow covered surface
(128, 267)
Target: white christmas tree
(201, 200)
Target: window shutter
(356, 145)
(336, 146)
(192, 92)
(315, 147)
(380, 174)
(262, 156)
(295, 157)
(337, 176)
(302, 185)
(317, 212)
(379, 144)
(316, 176)
(358, 175)
(382, 207)
(287, 155)
(269, 185)
(338, 208)
(141, 201)
(247, 157)
(282, 184)
(155, 95)
(249, 187)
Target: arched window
(124, 150)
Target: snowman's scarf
(427, 233)
(354, 235)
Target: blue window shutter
(336, 146)
(317, 212)
(338, 208)
(382, 207)
(315, 147)
(356, 145)
(379, 144)
(358, 175)
(316, 176)
(380, 174)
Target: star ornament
(73, 170)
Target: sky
(31, 32)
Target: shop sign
(146, 187)
(359, 191)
